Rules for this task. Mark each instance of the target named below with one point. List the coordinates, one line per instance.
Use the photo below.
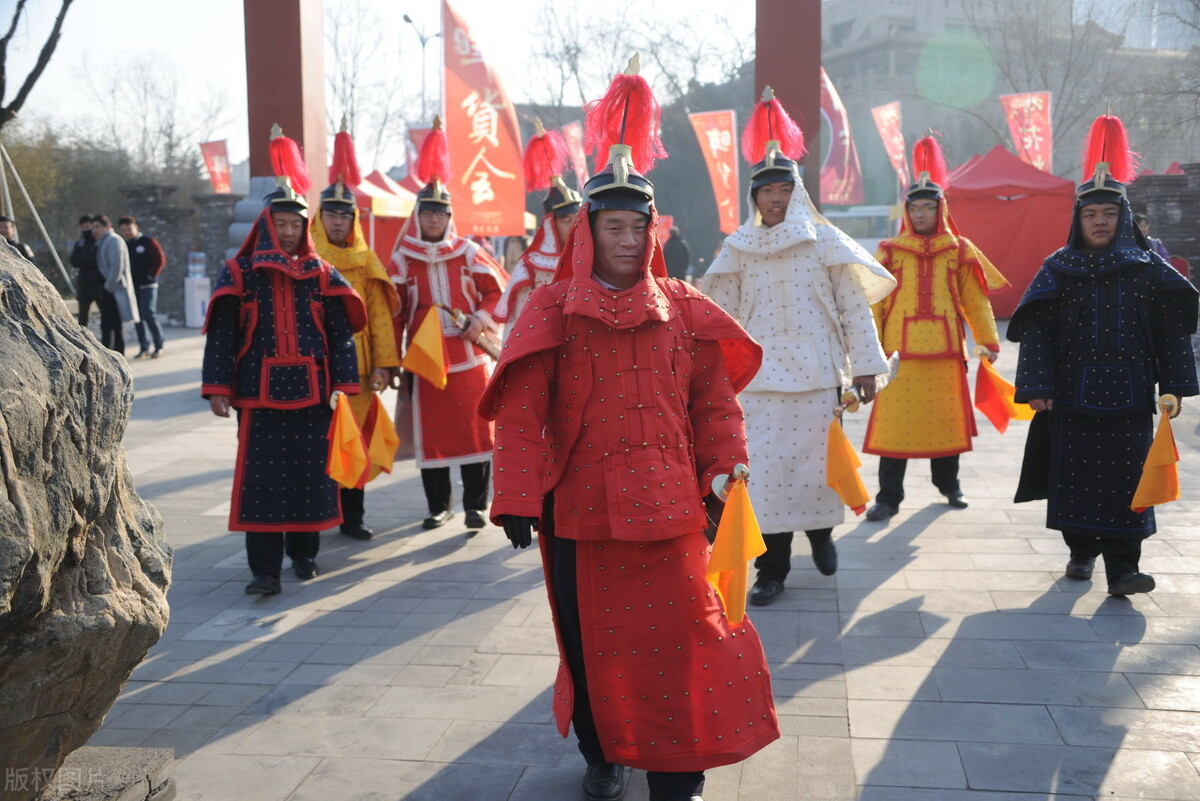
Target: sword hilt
(720, 484)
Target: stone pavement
(948, 659)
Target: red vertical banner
(573, 135)
(887, 121)
(716, 131)
(216, 160)
(665, 223)
(1029, 124)
(841, 173)
(487, 181)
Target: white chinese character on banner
(484, 116)
(718, 140)
(479, 173)
(468, 52)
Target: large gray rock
(84, 567)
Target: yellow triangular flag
(347, 461)
(426, 355)
(739, 539)
(381, 437)
(841, 469)
(1160, 476)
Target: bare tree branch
(7, 113)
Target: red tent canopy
(383, 207)
(1016, 214)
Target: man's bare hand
(865, 384)
(1041, 404)
(471, 332)
(219, 405)
(992, 355)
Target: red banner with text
(487, 184)
(1029, 123)
(841, 173)
(887, 121)
(216, 160)
(716, 131)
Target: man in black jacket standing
(89, 284)
(146, 262)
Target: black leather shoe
(1080, 567)
(474, 519)
(604, 782)
(881, 511)
(357, 531)
(305, 568)
(956, 499)
(765, 591)
(1130, 583)
(263, 585)
(436, 520)
(824, 556)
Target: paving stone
(1085, 688)
(1141, 658)
(345, 736)
(204, 776)
(907, 763)
(1144, 729)
(942, 720)
(1167, 692)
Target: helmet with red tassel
(929, 165)
(433, 168)
(625, 121)
(343, 175)
(291, 175)
(1108, 163)
(772, 142)
(545, 158)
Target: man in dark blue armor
(280, 341)
(1104, 323)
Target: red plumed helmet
(288, 162)
(434, 158)
(545, 157)
(928, 157)
(629, 115)
(345, 164)
(769, 122)
(1107, 142)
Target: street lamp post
(424, 41)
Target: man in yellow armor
(942, 280)
(338, 237)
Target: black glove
(519, 530)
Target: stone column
(215, 239)
(175, 229)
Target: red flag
(217, 162)
(573, 135)
(841, 174)
(887, 121)
(995, 397)
(488, 183)
(717, 132)
(1029, 124)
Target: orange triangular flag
(347, 462)
(739, 539)
(841, 469)
(1160, 476)
(380, 436)
(426, 355)
(994, 396)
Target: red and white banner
(841, 173)
(1029, 123)
(487, 183)
(217, 161)
(716, 131)
(887, 121)
(573, 135)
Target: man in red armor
(615, 402)
(432, 265)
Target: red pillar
(285, 81)
(788, 48)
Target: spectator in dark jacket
(677, 255)
(8, 230)
(146, 262)
(89, 284)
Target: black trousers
(89, 289)
(1121, 555)
(943, 471)
(668, 786)
(265, 549)
(776, 563)
(112, 334)
(476, 478)
(352, 506)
